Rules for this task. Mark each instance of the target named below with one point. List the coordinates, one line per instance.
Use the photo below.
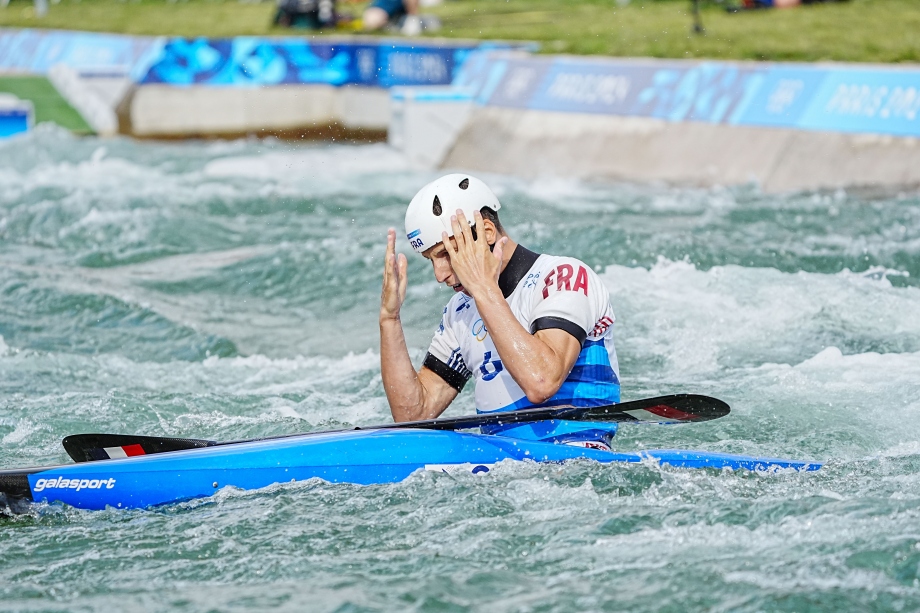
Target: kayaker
(535, 330)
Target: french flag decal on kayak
(114, 453)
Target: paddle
(679, 408)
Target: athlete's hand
(474, 264)
(394, 280)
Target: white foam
(871, 363)
(180, 267)
(526, 493)
(24, 428)
(878, 382)
(209, 422)
(325, 163)
(262, 367)
(700, 321)
(901, 450)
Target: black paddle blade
(90, 447)
(680, 408)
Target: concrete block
(425, 122)
(95, 109)
(538, 143)
(163, 110)
(110, 90)
(363, 107)
(834, 160)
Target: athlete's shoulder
(565, 273)
(548, 262)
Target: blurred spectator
(767, 4)
(400, 14)
(312, 14)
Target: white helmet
(429, 212)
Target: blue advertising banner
(247, 61)
(782, 98)
(35, 51)
(414, 65)
(241, 61)
(674, 91)
(520, 80)
(837, 98)
(832, 98)
(589, 88)
(881, 101)
(711, 92)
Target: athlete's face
(440, 258)
(440, 261)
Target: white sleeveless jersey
(544, 292)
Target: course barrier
(239, 62)
(37, 51)
(245, 61)
(839, 98)
(782, 126)
(157, 86)
(479, 106)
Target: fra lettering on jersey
(562, 277)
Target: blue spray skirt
(360, 457)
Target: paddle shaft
(678, 408)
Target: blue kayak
(354, 456)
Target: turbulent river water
(230, 290)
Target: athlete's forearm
(405, 392)
(533, 364)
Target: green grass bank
(48, 103)
(855, 31)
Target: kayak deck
(359, 457)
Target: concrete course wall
(783, 126)
(175, 87)
(543, 143)
(363, 107)
(167, 111)
(424, 123)
(164, 110)
(94, 99)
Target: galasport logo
(562, 275)
(60, 483)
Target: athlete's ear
(490, 231)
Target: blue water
(230, 290)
